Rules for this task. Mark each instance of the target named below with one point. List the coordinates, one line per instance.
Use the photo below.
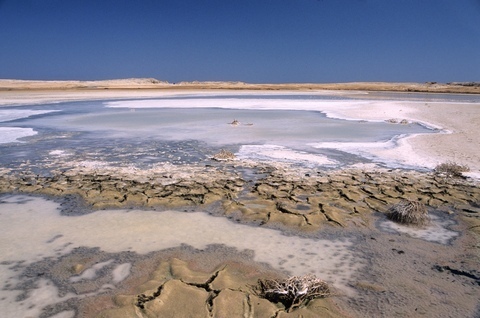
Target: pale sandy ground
(460, 122)
(151, 83)
(458, 142)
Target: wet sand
(400, 275)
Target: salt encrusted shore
(405, 275)
(299, 199)
(458, 122)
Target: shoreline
(457, 121)
(152, 84)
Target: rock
(78, 268)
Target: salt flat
(122, 165)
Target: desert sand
(151, 83)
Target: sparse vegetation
(224, 155)
(409, 212)
(451, 169)
(292, 292)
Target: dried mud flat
(405, 276)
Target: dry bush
(224, 155)
(409, 212)
(451, 169)
(292, 292)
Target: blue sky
(254, 41)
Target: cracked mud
(297, 201)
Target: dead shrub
(224, 155)
(409, 212)
(451, 169)
(292, 292)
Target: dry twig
(292, 292)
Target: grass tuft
(451, 169)
(409, 212)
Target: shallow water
(437, 230)
(190, 129)
(32, 229)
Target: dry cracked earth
(298, 200)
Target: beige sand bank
(458, 122)
(151, 83)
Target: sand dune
(151, 83)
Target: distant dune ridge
(152, 83)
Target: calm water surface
(188, 133)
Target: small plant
(409, 212)
(223, 155)
(292, 292)
(451, 169)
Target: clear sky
(254, 41)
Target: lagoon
(191, 129)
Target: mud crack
(212, 293)
(457, 272)
(142, 298)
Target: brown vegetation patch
(451, 169)
(223, 155)
(292, 292)
(409, 212)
